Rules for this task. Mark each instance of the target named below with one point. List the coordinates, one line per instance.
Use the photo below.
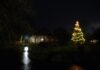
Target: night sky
(63, 14)
(50, 14)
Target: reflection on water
(75, 67)
(26, 60)
(49, 58)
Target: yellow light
(73, 34)
(77, 36)
(77, 24)
(77, 29)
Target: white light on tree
(77, 35)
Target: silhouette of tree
(15, 18)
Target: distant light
(42, 39)
(26, 48)
(32, 39)
(94, 41)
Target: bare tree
(15, 17)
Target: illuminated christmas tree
(77, 35)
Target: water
(37, 58)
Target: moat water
(28, 58)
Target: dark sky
(64, 13)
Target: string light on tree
(77, 35)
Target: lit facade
(34, 39)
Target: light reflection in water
(76, 67)
(26, 60)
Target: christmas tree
(77, 35)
